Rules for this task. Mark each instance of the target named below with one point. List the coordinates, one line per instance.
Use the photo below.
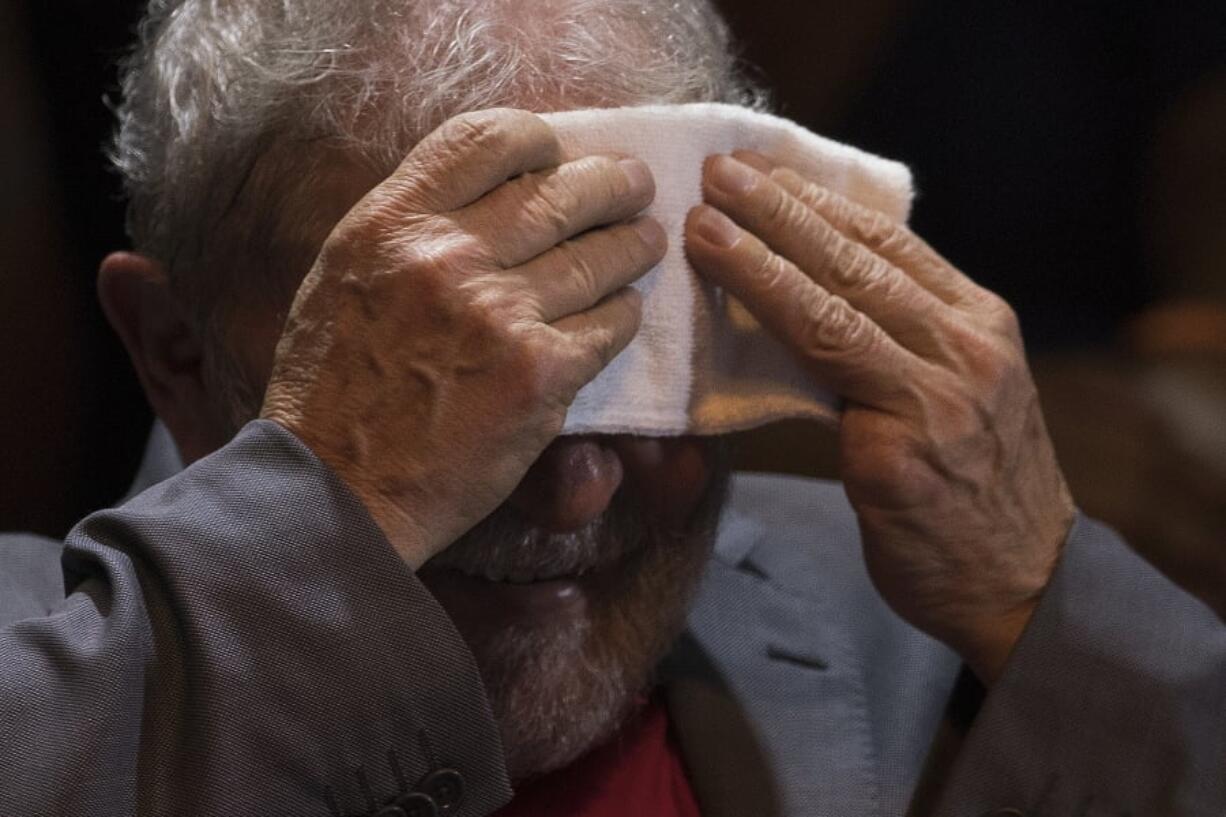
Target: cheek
(668, 476)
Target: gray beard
(559, 690)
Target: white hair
(216, 87)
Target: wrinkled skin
(945, 457)
(432, 351)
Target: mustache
(505, 546)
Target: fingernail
(638, 174)
(652, 233)
(716, 228)
(732, 177)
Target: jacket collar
(764, 689)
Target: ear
(165, 349)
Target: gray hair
(230, 108)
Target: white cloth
(700, 363)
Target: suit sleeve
(1112, 703)
(241, 639)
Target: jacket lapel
(768, 702)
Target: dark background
(1069, 155)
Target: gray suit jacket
(240, 639)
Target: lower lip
(466, 594)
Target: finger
(842, 345)
(468, 156)
(533, 213)
(575, 275)
(591, 339)
(887, 238)
(757, 161)
(891, 298)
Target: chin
(565, 660)
(559, 688)
(555, 695)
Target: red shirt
(639, 772)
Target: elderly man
(368, 284)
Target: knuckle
(490, 130)
(886, 470)
(364, 239)
(622, 319)
(598, 351)
(805, 190)
(587, 359)
(877, 230)
(475, 131)
(581, 270)
(882, 468)
(532, 376)
(441, 253)
(342, 249)
(831, 327)
(837, 209)
(815, 196)
(390, 210)
(552, 204)
(987, 366)
(1002, 318)
(891, 285)
(607, 342)
(994, 368)
(780, 207)
(851, 266)
(768, 270)
(366, 225)
(495, 306)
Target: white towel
(700, 363)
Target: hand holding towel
(700, 363)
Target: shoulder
(31, 582)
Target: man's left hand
(945, 457)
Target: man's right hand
(434, 348)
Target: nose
(569, 485)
